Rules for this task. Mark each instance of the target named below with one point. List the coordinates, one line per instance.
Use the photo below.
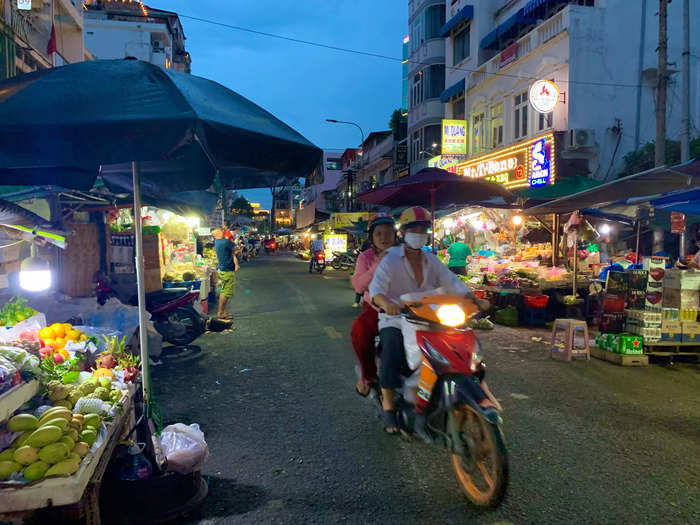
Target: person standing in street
(317, 245)
(458, 252)
(226, 256)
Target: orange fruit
(64, 353)
(50, 342)
(46, 333)
(73, 335)
(60, 342)
(67, 327)
(58, 330)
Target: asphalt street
(291, 442)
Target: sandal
(389, 422)
(361, 385)
(226, 317)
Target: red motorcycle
(319, 261)
(175, 312)
(461, 414)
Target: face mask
(416, 240)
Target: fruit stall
(66, 399)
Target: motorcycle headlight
(451, 315)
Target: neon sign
(540, 161)
(454, 137)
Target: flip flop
(359, 393)
(389, 421)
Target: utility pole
(685, 98)
(662, 82)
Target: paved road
(590, 442)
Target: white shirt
(317, 246)
(394, 277)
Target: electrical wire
(395, 59)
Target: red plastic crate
(536, 301)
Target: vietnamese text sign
(454, 137)
(530, 163)
(446, 162)
(336, 242)
(677, 222)
(346, 220)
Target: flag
(51, 46)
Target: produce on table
(54, 453)
(15, 311)
(36, 470)
(26, 455)
(44, 436)
(22, 422)
(7, 468)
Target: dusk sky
(300, 84)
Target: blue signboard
(540, 163)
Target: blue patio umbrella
(61, 126)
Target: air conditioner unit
(581, 138)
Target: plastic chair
(570, 327)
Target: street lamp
(334, 121)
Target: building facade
(426, 79)
(118, 29)
(26, 42)
(600, 54)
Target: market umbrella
(435, 188)
(59, 125)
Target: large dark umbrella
(435, 188)
(59, 125)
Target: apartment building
(426, 79)
(118, 29)
(600, 55)
(27, 42)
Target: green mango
(36, 470)
(7, 468)
(26, 455)
(54, 453)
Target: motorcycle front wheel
(181, 327)
(482, 472)
(335, 263)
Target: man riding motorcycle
(317, 245)
(407, 269)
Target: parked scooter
(451, 380)
(344, 261)
(175, 312)
(319, 263)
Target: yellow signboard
(335, 242)
(454, 137)
(346, 220)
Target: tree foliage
(241, 206)
(643, 158)
(398, 123)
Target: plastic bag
(33, 323)
(184, 447)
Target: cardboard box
(691, 332)
(617, 283)
(627, 344)
(682, 279)
(683, 299)
(671, 314)
(671, 331)
(611, 323)
(638, 280)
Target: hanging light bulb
(35, 273)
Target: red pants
(364, 330)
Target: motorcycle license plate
(198, 307)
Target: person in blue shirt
(226, 256)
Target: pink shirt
(365, 267)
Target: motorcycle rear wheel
(336, 264)
(192, 324)
(483, 476)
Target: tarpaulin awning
(490, 39)
(466, 13)
(649, 184)
(454, 89)
(687, 202)
(506, 29)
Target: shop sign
(446, 162)
(677, 222)
(347, 220)
(544, 95)
(25, 5)
(508, 55)
(530, 163)
(401, 155)
(454, 137)
(335, 242)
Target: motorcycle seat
(164, 296)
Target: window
(458, 109)
(416, 34)
(333, 164)
(497, 125)
(417, 89)
(434, 20)
(415, 146)
(461, 46)
(545, 121)
(478, 145)
(433, 135)
(435, 81)
(520, 114)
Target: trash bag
(184, 447)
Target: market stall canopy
(687, 202)
(58, 125)
(648, 184)
(449, 189)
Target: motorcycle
(451, 374)
(344, 261)
(319, 263)
(175, 312)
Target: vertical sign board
(677, 222)
(336, 242)
(454, 137)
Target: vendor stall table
(81, 487)
(16, 397)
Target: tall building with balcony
(600, 54)
(118, 29)
(426, 79)
(25, 36)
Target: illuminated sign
(25, 5)
(446, 162)
(336, 242)
(347, 220)
(530, 163)
(544, 95)
(454, 137)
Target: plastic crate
(196, 285)
(536, 301)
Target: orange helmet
(415, 215)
